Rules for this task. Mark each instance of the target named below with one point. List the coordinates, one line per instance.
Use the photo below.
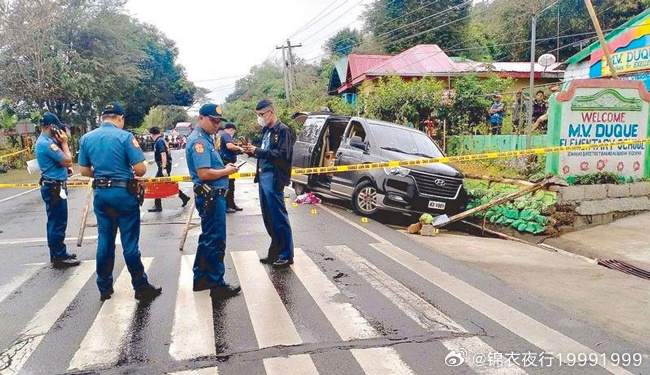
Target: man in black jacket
(273, 174)
(162, 155)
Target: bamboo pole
(188, 223)
(601, 37)
(84, 218)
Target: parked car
(328, 139)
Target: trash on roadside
(415, 228)
(428, 230)
(307, 198)
(426, 219)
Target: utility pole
(289, 64)
(533, 36)
(557, 51)
(599, 31)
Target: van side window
(310, 130)
(356, 130)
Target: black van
(327, 140)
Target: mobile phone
(240, 164)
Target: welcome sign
(628, 61)
(598, 111)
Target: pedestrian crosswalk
(283, 344)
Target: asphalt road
(361, 298)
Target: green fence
(476, 144)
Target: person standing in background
(228, 152)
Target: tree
(397, 25)
(69, 57)
(342, 43)
(165, 117)
(401, 101)
(472, 98)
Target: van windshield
(405, 141)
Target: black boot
(148, 293)
(224, 292)
(65, 263)
(183, 198)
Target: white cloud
(219, 38)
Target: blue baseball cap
(113, 108)
(213, 111)
(50, 119)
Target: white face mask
(260, 120)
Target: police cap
(213, 111)
(50, 119)
(113, 108)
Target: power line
(335, 19)
(312, 21)
(383, 24)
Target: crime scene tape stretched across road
(12, 154)
(394, 163)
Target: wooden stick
(187, 225)
(601, 37)
(84, 218)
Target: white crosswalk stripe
(538, 334)
(346, 320)
(15, 283)
(203, 371)
(45, 319)
(193, 330)
(300, 364)
(421, 311)
(101, 345)
(271, 321)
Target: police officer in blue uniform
(162, 156)
(54, 158)
(228, 152)
(210, 178)
(112, 156)
(273, 174)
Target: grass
(18, 176)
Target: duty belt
(62, 184)
(209, 193)
(104, 183)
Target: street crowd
(113, 158)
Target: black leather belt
(105, 183)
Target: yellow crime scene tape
(394, 163)
(12, 154)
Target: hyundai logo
(439, 182)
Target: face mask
(260, 120)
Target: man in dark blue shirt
(111, 156)
(273, 174)
(164, 163)
(228, 152)
(54, 157)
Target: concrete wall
(602, 204)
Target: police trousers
(209, 268)
(116, 208)
(57, 223)
(276, 218)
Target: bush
(598, 178)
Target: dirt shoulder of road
(19, 176)
(584, 289)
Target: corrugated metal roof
(360, 64)
(424, 58)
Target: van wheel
(364, 199)
(300, 189)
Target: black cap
(154, 130)
(113, 108)
(50, 119)
(213, 111)
(264, 103)
(230, 125)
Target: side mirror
(357, 142)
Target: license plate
(437, 205)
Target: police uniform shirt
(111, 152)
(227, 154)
(201, 153)
(159, 148)
(49, 157)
